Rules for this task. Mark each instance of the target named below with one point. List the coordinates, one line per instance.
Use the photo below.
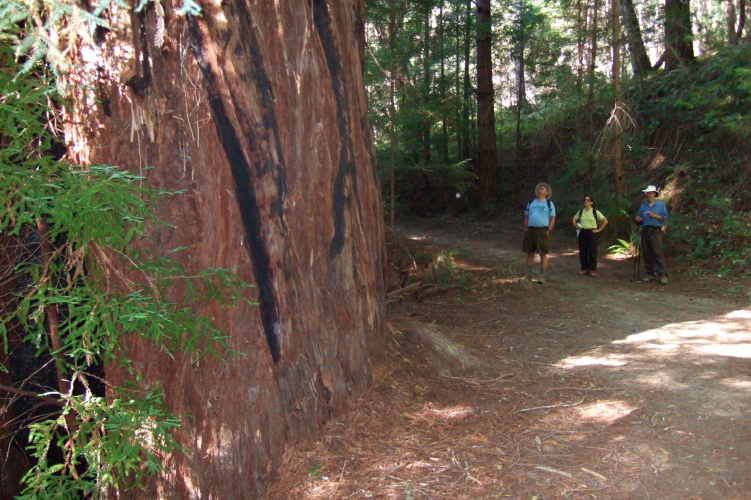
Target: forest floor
(583, 387)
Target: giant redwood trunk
(487, 161)
(256, 109)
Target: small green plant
(315, 471)
(625, 248)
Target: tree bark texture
(257, 110)
(730, 20)
(639, 59)
(679, 38)
(487, 161)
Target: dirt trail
(589, 388)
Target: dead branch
(550, 406)
(404, 291)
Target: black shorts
(536, 240)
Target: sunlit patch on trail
(606, 412)
(726, 336)
(587, 360)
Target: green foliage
(719, 235)
(88, 282)
(626, 248)
(54, 27)
(710, 101)
(431, 189)
(131, 434)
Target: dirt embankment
(584, 387)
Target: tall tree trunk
(519, 43)
(589, 173)
(444, 146)
(392, 114)
(742, 18)
(487, 161)
(257, 111)
(427, 73)
(581, 39)
(466, 146)
(730, 20)
(679, 38)
(638, 54)
(619, 180)
(458, 124)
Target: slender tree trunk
(257, 111)
(581, 40)
(619, 180)
(427, 72)
(638, 54)
(444, 149)
(487, 162)
(520, 41)
(458, 86)
(591, 98)
(742, 17)
(730, 22)
(679, 38)
(392, 115)
(467, 93)
(458, 124)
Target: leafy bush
(717, 235)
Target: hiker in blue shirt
(539, 220)
(653, 215)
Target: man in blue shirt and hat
(653, 215)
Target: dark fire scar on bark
(249, 210)
(270, 123)
(322, 20)
(140, 82)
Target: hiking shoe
(541, 280)
(648, 278)
(583, 272)
(593, 274)
(664, 280)
(527, 277)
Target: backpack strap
(594, 212)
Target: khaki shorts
(536, 240)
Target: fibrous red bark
(487, 160)
(256, 109)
